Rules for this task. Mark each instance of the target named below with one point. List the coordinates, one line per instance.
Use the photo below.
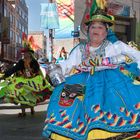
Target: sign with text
(75, 33)
(66, 18)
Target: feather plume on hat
(26, 47)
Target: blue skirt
(111, 102)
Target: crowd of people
(100, 97)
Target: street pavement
(30, 127)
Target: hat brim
(100, 18)
(24, 50)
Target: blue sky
(34, 9)
(34, 14)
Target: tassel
(92, 70)
(92, 63)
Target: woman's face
(27, 56)
(97, 32)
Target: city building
(14, 21)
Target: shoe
(20, 115)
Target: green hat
(100, 15)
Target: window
(11, 18)
(17, 38)
(20, 40)
(20, 26)
(23, 29)
(5, 12)
(10, 34)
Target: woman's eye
(93, 27)
(72, 94)
(63, 94)
(97, 27)
(100, 27)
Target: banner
(49, 16)
(116, 8)
(66, 18)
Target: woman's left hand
(107, 62)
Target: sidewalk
(28, 128)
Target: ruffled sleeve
(73, 60)
(123, 48)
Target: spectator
(27, 81)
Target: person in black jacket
(27, 67)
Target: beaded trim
(100, 52)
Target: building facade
(14, 21)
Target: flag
(49, 16)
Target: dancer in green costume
(28, 85)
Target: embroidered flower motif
(87, 17)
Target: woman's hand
(107, 62)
